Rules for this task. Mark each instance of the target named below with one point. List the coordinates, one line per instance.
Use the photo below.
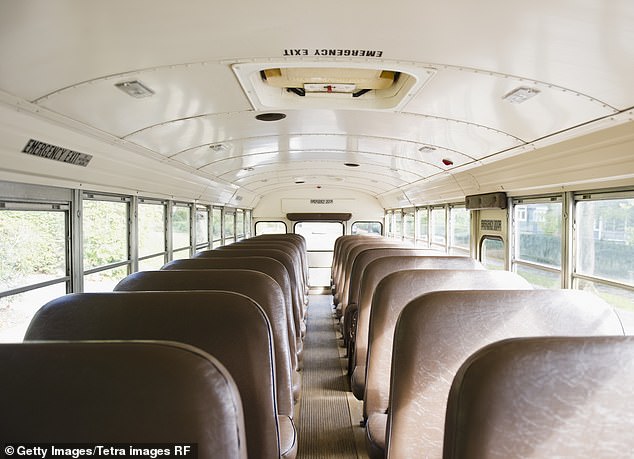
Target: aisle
(325, 429)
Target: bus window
(422, 227)
(34, 265)
(397, 226)
(263, 227)
(492, 252)
(537, 242)
(320, 242)
(366, 228)
(248, 217)
(202, 228)
(460, 231)
(230, 226)
(605, 249)
(152, 251)
(240, 224)
(439, 227)
(105, 227)
(216, 227)
(181, 231)
(409, 225)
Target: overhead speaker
(486, 201)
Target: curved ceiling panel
(479, 98)
(288, 183)
(400, 174)
(474, 140)
(61, 61)
(178, 92)
(336, 160)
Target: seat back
(297, 239)
(267, 265)
(354, 248)
(543, 397)
(277, 254)
(351, 286)
(376, 271)
(258, 286)
(101, 392)
(344, 250)
(284, 246)
(229, 326)
(392, 294)
(289, 247)
(370, 254)
(437, 332)
(339, 249)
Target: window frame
(432, 243)
(204, 245)
(152, 202)
(240, 231)
(366, 221)
(407, 213)
(575, 276)
(43, 206)
(452, 248)
(190, 247)
(93, 196)
(216, 238)
(516, 262)
(420, 240)
(270, 221)
(228, 239)
(491, 237)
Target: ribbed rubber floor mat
(325, 429)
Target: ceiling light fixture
(218, 147)
(521, 94)
(135, 89)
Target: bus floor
(328, 416)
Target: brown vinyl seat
(351, 261)
(340, 256)
(351, 288)
(353, 248)
(295, 241)
(277, 254)
(543, 398)
(376, 271)
(227, 325)
(267, 265)
(369, 254)
(392, 294)
(107, 392)
(285, 246)
(337, 252)
(437, 332)
(289, 247)
(258, 286)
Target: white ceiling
(65, 57)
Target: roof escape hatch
(305, 80)
(321, 85)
